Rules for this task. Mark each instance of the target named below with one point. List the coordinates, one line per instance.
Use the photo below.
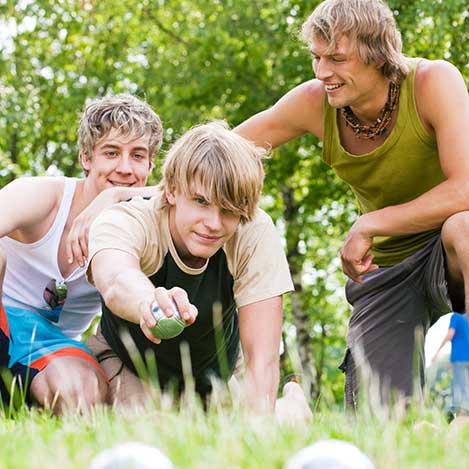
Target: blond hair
(124, 112)
(371, 26)
(228, 168)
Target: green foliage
(196, 61)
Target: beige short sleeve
(129, 227)
(260, 267)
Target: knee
(75, 388)
(454, 229)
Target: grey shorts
(392, 311)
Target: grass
(226, 438)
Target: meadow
(225, 437)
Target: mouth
(331, 87)
(208, 239)
(120, 184)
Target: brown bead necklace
(380, 126)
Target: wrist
(365, 226)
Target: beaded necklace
(380, 126)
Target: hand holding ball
(167, 328)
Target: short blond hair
(124, 112)
(227, 166)
(370, 24)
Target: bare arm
(440, 91)
(448, 338)
(260, 327)
(298, 112)
(26, 205)
(129, 294)
(77, 239)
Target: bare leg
(69, 384)
(455, 237)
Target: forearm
(261, 385)
(426, 212)
(128, 295)
(120, 194)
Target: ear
(85, 160)
(170, 195)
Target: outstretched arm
(298, 112)
(77, 239)
(260, 326)
(440, 90)
(129, 294)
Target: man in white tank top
(46, 301)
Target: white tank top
(30, 267)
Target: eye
(111, 153)
(139, 156)
(201, 201)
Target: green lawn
(226, 438)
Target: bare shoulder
(439, 86)
(28, 202)
(305, 101)
(430, 72)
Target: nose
(321, 69)
(214, 219)
(124, 166)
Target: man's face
(347, 80)
(119, 160)
(198, 228)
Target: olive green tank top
(405, 166)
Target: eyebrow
(334, 54)
(117, 146)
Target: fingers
(356, 268)
(147, 320)
(170, 302)
(186, 310)
(77, 245)
(165, 301)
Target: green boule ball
(167, 328)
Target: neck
(86, 192)
(369, 108)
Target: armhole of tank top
(64, 208)
(328, 132)
(414, 115)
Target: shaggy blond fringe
(371, 26)
(227, 167)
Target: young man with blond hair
(395, 129)
(46, 301)
(201, 245)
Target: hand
(292, 408)
(168, 301)
(354, 254)
(76, 246)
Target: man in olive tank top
(394, 129)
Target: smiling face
(347, 80)
(198, 228)
(118, 160)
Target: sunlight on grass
(224, 437)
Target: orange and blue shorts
(28, 343)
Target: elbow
(110, 294)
